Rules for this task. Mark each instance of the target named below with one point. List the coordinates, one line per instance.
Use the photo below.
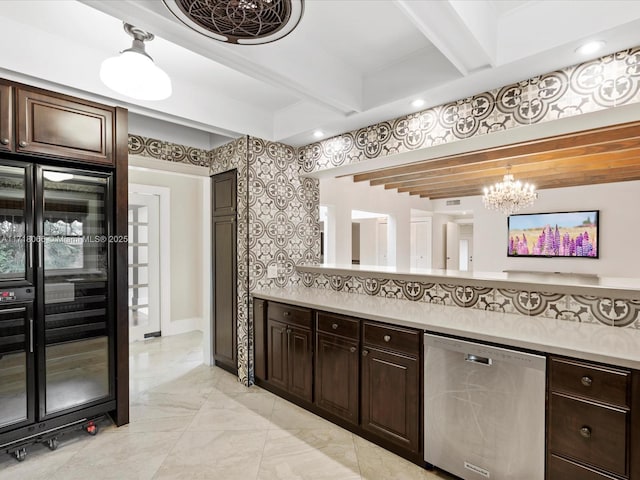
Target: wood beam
(572, 144)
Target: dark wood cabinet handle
(4, 141)
(353, 349)
(387, 338)
(334, 326)
(585, 432)
(365, 353)
(22, 143)
(586, 381)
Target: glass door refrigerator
(56, 291)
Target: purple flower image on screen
(572, 234)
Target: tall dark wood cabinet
(224, 253)
(63, 296)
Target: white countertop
(601, 343)
(556, 282)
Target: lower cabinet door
(390, 396)
(277, 371)
(300, 362)
(337, 372)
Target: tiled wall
(171, 152)
(573, 308)
(278, 210)
(277, 224)
(607, 82)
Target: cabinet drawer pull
(4, 141)
(285, 314)
(22, 143)
(334, 326)
(586, 381)
(353, 349)
(365, 353)
(585, 432)
(387, 338)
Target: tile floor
(191, 421)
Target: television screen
(562, 234)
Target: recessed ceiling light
(417, 103)
(590, 47)
(318, 134)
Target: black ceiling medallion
(244, 22)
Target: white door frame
(165, 246)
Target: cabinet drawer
(337, 325)
(591, 381)
(563, 469)
(289, 314)
(589, 432)
(393, 338)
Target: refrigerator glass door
(74, 261)
(13, 224)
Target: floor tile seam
(169, 451)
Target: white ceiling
(350, 63)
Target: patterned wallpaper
(172, 152)
(278, 220)
(574, 308)
(607, 82)
(277, 208)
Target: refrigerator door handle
(31, 335)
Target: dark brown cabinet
(224, 258)
(289, 350)
(362, 375)
(589, 420)
(337, 361)
(6, 117)
(62, 126)
(390, 393)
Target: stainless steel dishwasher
(484, 410)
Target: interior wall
(186, 245)
(619, 227)
(345, 195)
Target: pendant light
(133, 73)
(509, 195)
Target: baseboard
(184, 325)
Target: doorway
(148, 253)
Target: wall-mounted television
(557, 234)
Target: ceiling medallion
(243, 22)
(509, 196)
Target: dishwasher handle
(484, 361)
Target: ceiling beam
(589, 141)
(441, 23)
(575, 165)
(543, 182)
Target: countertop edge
(548, 348)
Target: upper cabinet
(224, 193)
(6, 117)
(53, 124)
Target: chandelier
(509, 196)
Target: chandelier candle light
(509, 196)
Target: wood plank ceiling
(603, 155)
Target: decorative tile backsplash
(609, 81)
(278, 224)
(574, 308)
(171, 152)
(278, 216)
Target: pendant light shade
(133, 73)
